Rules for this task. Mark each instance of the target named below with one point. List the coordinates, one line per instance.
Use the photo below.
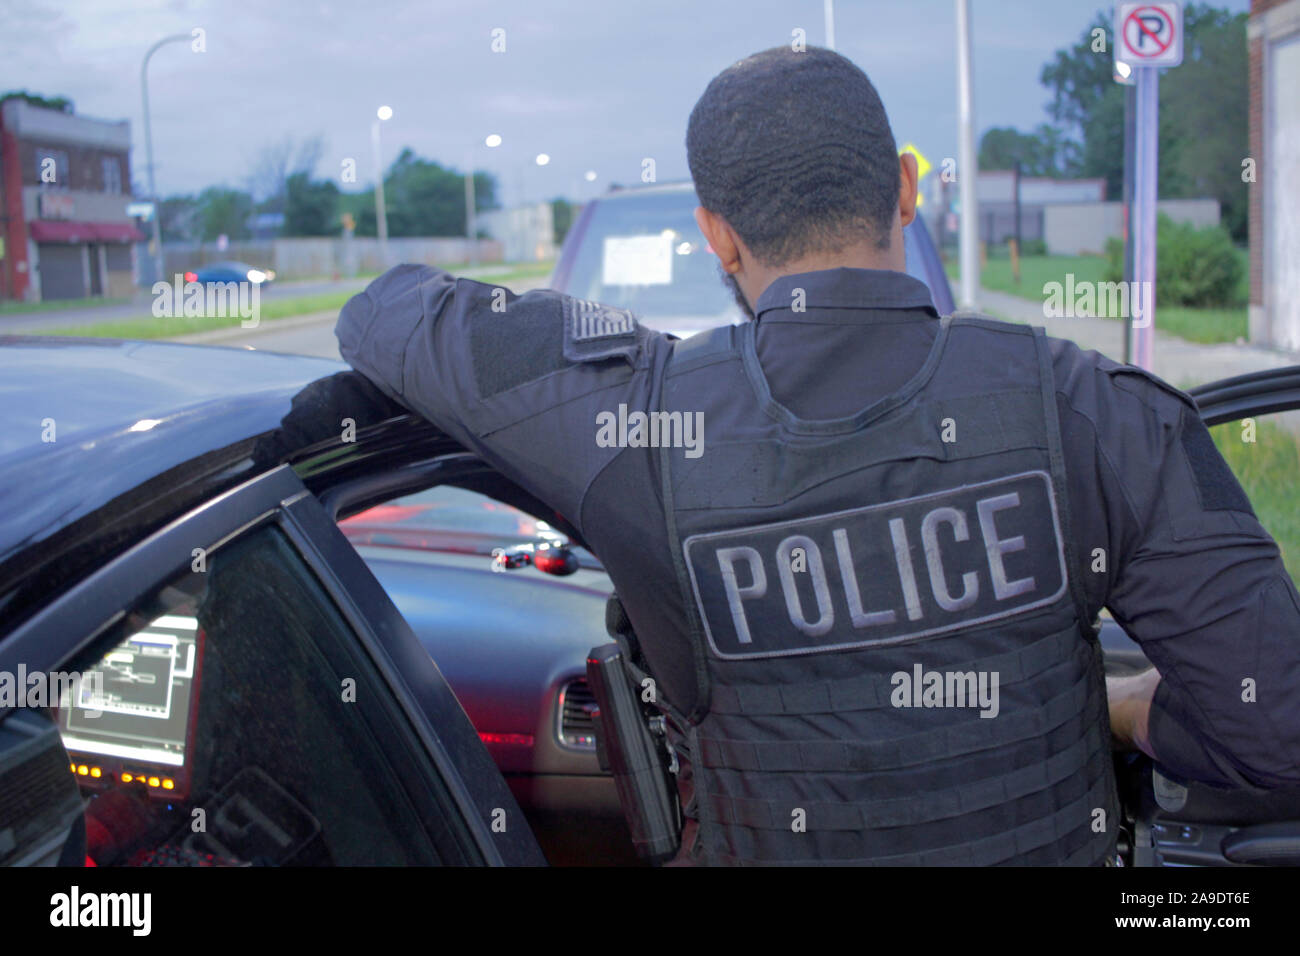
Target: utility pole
(967, 169)
(148, 148)
(470, 230)
(1130, 141)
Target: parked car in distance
(229, 272)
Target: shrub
(1197, 267)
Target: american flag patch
(591, 320)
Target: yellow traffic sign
(922, 164)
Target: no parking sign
(1149, 34)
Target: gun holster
(638, 757)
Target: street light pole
(381, 212)
(470, 231)
(491, 141)
(148, 148)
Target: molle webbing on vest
(929, 554)
(873, 690)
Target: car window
(451, 519)
(232, 718)
(1264, 453)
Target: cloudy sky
(596, 84)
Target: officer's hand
(1130, 709)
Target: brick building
(1273, 38)
(65, 182)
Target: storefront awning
(59, 230)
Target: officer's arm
(498, 373)
(1200, 584)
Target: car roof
(83, 421)
(630, 192)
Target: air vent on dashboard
(576, 705)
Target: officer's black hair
(794, 150)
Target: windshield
(646, 253)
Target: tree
(423, 198)
(178, 219)
(561, 218)
(311, 206)
(60, 103)
(1088, 105)
(1001, 147)
(1203, 112)
(268, 180)
(223, 211)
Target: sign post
(1148, 36)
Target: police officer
(867, 587)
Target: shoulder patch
(593, 332)
(1215, 483)
(591, 320)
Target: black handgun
(627, 749)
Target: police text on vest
(883, 574)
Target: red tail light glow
(519, 740)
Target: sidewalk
(1178, 361)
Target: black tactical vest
(891, 642)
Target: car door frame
(78, 616)
(1245, 396)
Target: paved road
(1178, 361)
(303, 335)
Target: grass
(19, 308)
(1205, 325)
(151, 327)
(1267, 470)
(165, 327)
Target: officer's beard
(730, 282)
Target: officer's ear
(907, 187)
(720, 238)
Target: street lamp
(148, 147)
(381, 215)
(492, 141)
